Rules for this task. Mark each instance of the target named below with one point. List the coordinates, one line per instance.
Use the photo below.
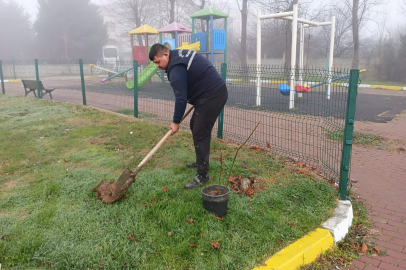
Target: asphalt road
(369, 107)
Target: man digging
(196, 81)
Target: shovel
(110, 192)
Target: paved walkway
(380, 177)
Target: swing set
(292, 88)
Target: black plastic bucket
(216, 204)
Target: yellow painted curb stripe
(303, 251)
(387, 87)
(15, 80)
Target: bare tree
(402, 4)
(199, 5)
(132, 14)
(361, 13)
(355, 34)
(381, 39)
(172, 11)
(244, 17)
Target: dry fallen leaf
(219, 218)
(364, 248)
(4, 236)
(271, 180)
(65, 160)
(101, 264)
(376, 250)
(301, 165)
(190, 220)
(249, 192)
(165, 189)
(215, 245)
(97, 244)
(131, 236)
(201, 235)
(192, 245)
(218, 240)
(268, 145)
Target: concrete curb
(18, 80)
(339, 224)
(308, 248)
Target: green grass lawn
(52, 154)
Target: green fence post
(220, 119)
(37, 77)
(348, 130)
(82, 79)
(2, 79)
(135, 88)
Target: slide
(144, 76)
(152, 68)
(194, 46)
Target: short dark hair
(156, 50)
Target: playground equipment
(100, 68)
(140, 53)
(328, 82)
(182, 34)
(292, 16)
(111, 74)
(329, 57)
(213, 41)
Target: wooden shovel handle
(159, 144)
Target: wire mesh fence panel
(308, 132)
(105, 86)
(64, 77)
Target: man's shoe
(198, 181)
(191, 165)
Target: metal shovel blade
(110, 192)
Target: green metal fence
(312, 125)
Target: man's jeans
(204, 116)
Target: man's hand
(174, 127)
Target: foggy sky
(395, 18)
